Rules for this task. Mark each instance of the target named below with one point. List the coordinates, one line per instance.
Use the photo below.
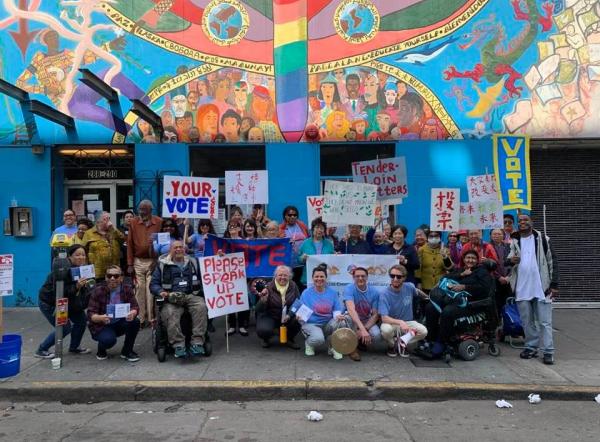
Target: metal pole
(58, 332)
(544, 214)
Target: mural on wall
(288, 70)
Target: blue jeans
(107, 337)
(75, 324)
(536, 316)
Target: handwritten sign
(190, 197)
(246, 187)
(262, 256)
(349, 203)
(511, 167)
(481, 215)
(224, 283)
(445, 209)
(6, 275)
(482, 188)
(314, 207)
(389, 175)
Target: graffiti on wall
(307, 70)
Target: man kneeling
(396, 310)
(176, 279)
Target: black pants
(503, 291)
(239, 319)
(440, 326)
(107, 336)
(266, 326)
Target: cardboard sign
(389, 175)
(224, 283)
(445, 209)
(262, 256)
(511, 167)
(6, 275)
(190, 197)
(481, 215)
(246, 187)
(62, 311)
(349, 203)
(482, 188)
(314, 207)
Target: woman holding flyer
(77, 291)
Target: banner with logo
(511, 167)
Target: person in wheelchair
(471, 292)
(176, 280)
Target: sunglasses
(397, 276)
(292, 214)
(113, 275)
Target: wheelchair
(160, 339)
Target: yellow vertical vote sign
(511, 166)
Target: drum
(344, 339)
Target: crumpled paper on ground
(501, 403)
(534, 398)
(314, 416)
(597, 399)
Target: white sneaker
(309, 350)
(336, 355)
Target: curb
(191, 391)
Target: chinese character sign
(445, 209)
(389, 175)
(511, 167)
(6, 275)
(349, 203)
(190, 197)
(481, 215)
(314, 207)
(482, 188)
(246, 187)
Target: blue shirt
(197, 244)
(69, 231)
(364, 303)
(398, 305)
(323, 304)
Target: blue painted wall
(26, 177)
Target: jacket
(99, 300)
(77, 297)
(412, 260)
(308, 247)
(103, 251)
(354, 247)
(169, 277)
(432, 266)
(479, 283)
(546, 261)
(272, 305)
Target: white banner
(246, 187)
(445, 209)
(349, 203)
(481, 215)
(224, 283)
(190, 197)
(339, 268)
(6, 275)
(389, 175)
(482, 188)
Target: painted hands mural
(290, 70)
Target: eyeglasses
(292, 215)
(113, 275)
(234, 227)
(394, 276)
(360, 276)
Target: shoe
(309, 350)
(336, 355)
(292, 345)
(392, 352)
(355, 356)
(80, 351)
(101, 355)
(402, 352)
(548, 359)
(230, 331)
(180, 352)
(43, 354)
(197, 350)
(528, 353)
(131, 356)
(243, 331)
(265, 344)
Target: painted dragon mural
(307, 70)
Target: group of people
(133, 266)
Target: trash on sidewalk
(597, 398)
(501, 403)
(314, 416)
(212, 418)
(534, 398)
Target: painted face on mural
(260, 107)
(401, 89)
(192, 99)
(202, 88)
(327, 92)
(241, 95)
(254, 79)
(144, 127)
(429, 132)
(210, 122)
(353, 88)
(390, 97)
(406, 113)
(167, 118)
(179, 103)
(231, 129)
(169, 136)
(255, 135)
(222, 90)
(360, 127)
(371, 86)
(383, 120)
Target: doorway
(86, 197)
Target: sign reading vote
(190, 197)
(224, 283)
(314, 207)
(262, 256)
(389, 175)
(511, 166)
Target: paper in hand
(304, 313)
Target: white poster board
(349, 203)
(190, 197)
(482, 188)
(389, 175)
(481, 215)
(314, 207)
(246, 187)
(445, 209)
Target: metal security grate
(565, 177)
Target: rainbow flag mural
(291, 66)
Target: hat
(329, 79)
(177, 91)
(261, 91)
(390, 85)
(462, 232)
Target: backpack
(511, 321)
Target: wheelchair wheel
(208, 348)
(161, 354)
(468, 350)
(154, 340)
(493, 350)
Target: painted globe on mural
(224, 21)
(356, 20)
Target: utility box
(21, 221)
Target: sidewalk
(249, 372)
